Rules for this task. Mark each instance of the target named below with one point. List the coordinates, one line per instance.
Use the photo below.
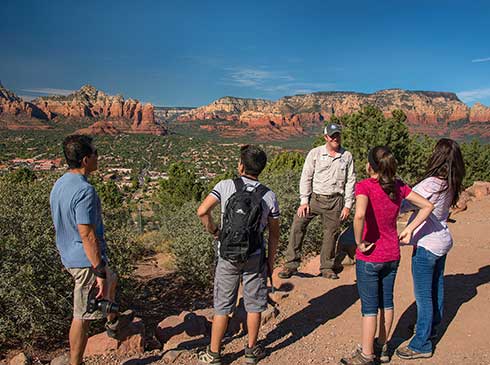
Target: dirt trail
(320, 320)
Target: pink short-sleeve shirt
(380, 223)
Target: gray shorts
(227, 281)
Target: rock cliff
(433, 113)
(112, 113)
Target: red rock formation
(118, 115)
(479, 113)
(430, 113)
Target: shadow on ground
(458, 289)
(319, 311)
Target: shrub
(182, 185)
(286, 187)
(190, 245)
(477, 162)
(35, 290)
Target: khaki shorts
(84, 281)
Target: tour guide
(326, 189)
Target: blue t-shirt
(74, 201)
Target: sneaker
(287, 272)
(382, 352)
(254, 355)
(409, 354)
(330, 274)
(209, 357)
(358, 358)
(115, 328)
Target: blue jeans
(375, 282)
(428, 282)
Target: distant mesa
(428, 112)
(113, 114)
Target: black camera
(103, 305)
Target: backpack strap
(262, 190)
(239, 184)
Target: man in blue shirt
(77, 217)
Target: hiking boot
(254, 355)
(209, 357)
(287, 272)
(330, 274)
(358, 358)
(115, 328)
(382, 352)
(409, 354)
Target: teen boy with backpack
(247, 209)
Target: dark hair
(253, 159)
(384, 164)
(75, 148)
(447, 163)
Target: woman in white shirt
(441, 185)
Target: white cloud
(26, 97)
(478, 60)
(470, 96)
(250, 77)
(49, 91)
(272, 81)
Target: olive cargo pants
(329, 208)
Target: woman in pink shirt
(441, 184)
(378, 200)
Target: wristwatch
(99, 271)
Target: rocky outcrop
(479, 113)
(433, 113)
(114, 114)
(11, 104)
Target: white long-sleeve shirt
(326, 175)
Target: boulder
(20, 359)
(187, 330)
(481, 189)
(462, 203)
(133, 341)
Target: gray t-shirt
(270, 207)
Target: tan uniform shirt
(326, 175)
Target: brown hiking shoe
(358, 358)
(115, 329)
(409, 354)
(330, 274)
(287, 272)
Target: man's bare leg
(111, 294)
(78, 340)
(220, 323)
(253, 326)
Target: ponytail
(384, 164)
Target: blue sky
(189, 53)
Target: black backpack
(240, 233)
